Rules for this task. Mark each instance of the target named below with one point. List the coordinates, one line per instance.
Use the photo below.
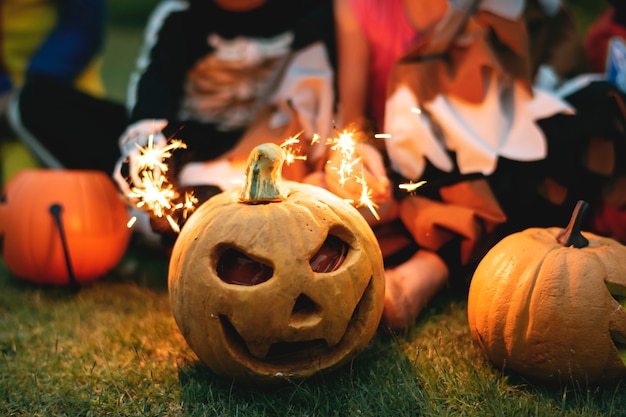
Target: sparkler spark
(366, 198)
(152, 156)
(411, 186)
(346, 145)
(149, 188)
(291, 153)
(154, 192)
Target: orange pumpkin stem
(263, 182)
(571, 235)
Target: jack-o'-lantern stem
(571, 235)
(263, 181)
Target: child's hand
(137, 136)
(370, 168)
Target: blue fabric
(5, 83)
(616, 66)
(77, 37)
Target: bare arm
(353, 64)
(352, 78)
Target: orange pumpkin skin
(296, 323)
(94, 218)
(547, 311)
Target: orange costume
(498, 151)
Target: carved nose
(305, 313)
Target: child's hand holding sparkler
(356, 171)
(144, 153)
(135, 145)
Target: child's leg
(410, 286)
(66, 128)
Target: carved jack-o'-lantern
(545, 303)
(276, 280)
(62, 226)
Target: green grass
(123, 46)
(123, 42)
(113, 349)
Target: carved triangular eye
(330, 256)
(235, 267)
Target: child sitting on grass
(456, 87)
(223, 76)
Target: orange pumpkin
(62, 226)
(278, 280)
(544, 303)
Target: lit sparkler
(151, 191)
(291, 153)
(346, 145)
(366, 197)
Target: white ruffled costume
(501, 124)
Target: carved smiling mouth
(620, 343)
(282, 352)
(619, 336)
(279, 352)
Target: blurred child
(611, 24)
(224, 76)
(50, 84)
(453, 85)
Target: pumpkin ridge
(29, 228)
(81, 206)
(513, 330)
(103, 222)
(518, 326)
(521, 324)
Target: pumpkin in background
(62, 226)
(544, 303)
(278, 280)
